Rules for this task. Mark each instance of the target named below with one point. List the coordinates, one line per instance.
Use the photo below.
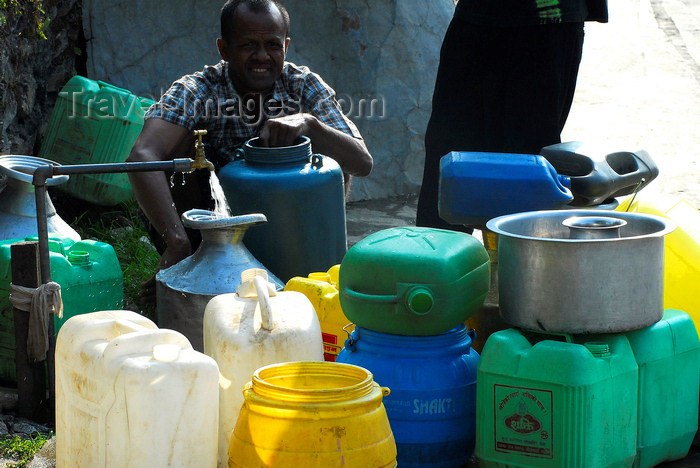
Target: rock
(23, 427)
(28, 65)
(8, 399)
(45, 457)
(3, 429)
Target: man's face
(256, 49)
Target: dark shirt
(531, 12)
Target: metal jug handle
(239, 154)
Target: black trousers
(498, 89)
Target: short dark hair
(258, 6)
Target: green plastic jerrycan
(668, 356)
(94, 122)
(413, 280)
(556, 401)
(90, 278)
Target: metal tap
(200, 160)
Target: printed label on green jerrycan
(668, 356)
(545, 403)
(252, 328)
(131, 395)
(414, 280)
(90, 278)
(432, 406)
(301, 194)
(476, 187)
(313, 414)
(94, 122)
(322, 290)
(681, 249)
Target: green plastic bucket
(90, 278)
(543, 402)
(94, 122)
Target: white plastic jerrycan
(129, 394)
(255, 327)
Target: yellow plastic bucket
(312, 414)
(681, 250)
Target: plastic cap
(79, 257)
(419, 301)
(597, 349)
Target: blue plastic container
(476, 187)
(432, 405)
(303, 197)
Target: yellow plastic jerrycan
(132, 395)
(251, 328)
(313, 414)
(322, 290)
(681, 250)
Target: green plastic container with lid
(90, 278)
(556, 401)
(94, 122)
(413, 280)
(668, 356)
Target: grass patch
(21, 449)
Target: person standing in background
(505, 83)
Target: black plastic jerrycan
(597, 174)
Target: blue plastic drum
(432, 405)
(303, 197)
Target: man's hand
(351, 153)
(283, 131)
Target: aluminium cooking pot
(555, 277)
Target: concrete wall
(380, 56)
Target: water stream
(221, 208)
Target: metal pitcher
(18, 200)
(184, 290)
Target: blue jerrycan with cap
(432, 405)
(476, 187)
(303, 197)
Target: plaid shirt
(208, 100)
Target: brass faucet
(200, 160)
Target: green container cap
(79, 257)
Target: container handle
(382, 299)
(264, 301)
(123, 326)
(418, 298)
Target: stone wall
(33, 70)
(381, 57)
